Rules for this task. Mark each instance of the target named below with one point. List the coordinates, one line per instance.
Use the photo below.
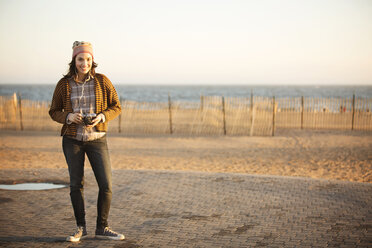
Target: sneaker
(107, 233)
(80, 233)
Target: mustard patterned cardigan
(107, 102)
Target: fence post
(223, 112)
(251, 111)
(252, 125)
(15, 103)
(352, 119)
(120, 114)
(170, 114)
(273, 130)
(302, 112)
(201, 107)
(20, 111)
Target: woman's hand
(75, 118)
(96, 120)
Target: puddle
(32, 186)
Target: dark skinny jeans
(98, 155)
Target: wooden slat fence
(213, 115)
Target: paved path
(188, 209)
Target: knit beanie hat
(81, 47)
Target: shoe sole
(109, 238)
(75, 240)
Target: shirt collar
(90, 77)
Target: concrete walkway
(191, 209)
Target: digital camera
(88, 119)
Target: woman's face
(83, 63)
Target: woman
(84, 101)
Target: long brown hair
(72, 69)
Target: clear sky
(191, 41)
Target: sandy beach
(340, 155)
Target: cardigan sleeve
(113, 104)
(56, 111)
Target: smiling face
(83, 63)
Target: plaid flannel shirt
(83, 101)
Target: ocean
(159, 93)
